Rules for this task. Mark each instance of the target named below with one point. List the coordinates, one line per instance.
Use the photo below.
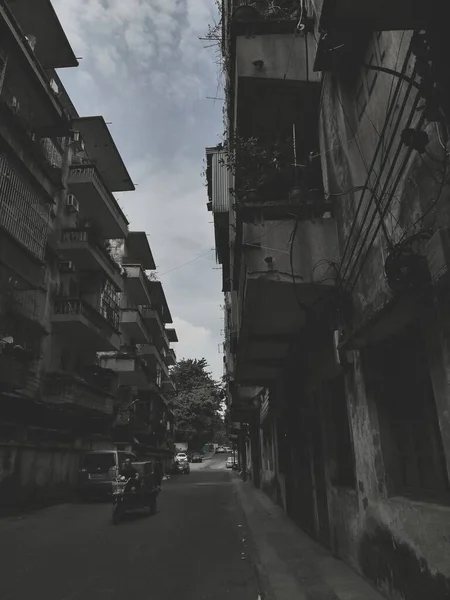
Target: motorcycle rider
(158, 472)
(129, 472)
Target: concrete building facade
(64, 296)
(334, 249)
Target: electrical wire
(374, 158)
(381, 195)
(393, 188)
(187, 263)
(433, 204)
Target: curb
(264, 587)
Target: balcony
(277, 57)
(38, 20)
(88, 253)
(73, 391)
(102, 150)
(27, 79)
(152, 320)
(384, 15)
(153, 358)
(96, 201)
(26, 307)
(136, 285)
(133, 326)
(131, 370)
(168, 386)
(171, 358)
(269, 187)
(171, 334)
(22, 211)
(265, 17)
(85, 325)
(276, 299)
(18, 375)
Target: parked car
(197, 458)
(181, 456)
(220, 450)
(228, 449)
(98, 470)
(230, 462)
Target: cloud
(198, 342)
(146, 71)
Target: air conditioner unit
(72, 203)
(66, 266)
(54, 86)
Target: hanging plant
(261, 169)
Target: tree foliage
(196, 405)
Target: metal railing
(67, 388)
(84, 234)
(46, 147)
(81, 174)
(21, 302)
(76, 306)
(22, 211)
(18, 376)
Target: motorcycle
(128, 494)
(181, 468)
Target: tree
(197, 402)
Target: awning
(139, 249)
(103, 152)
(38, 18)
(159, 300)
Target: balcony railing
(68, 388)
(22, 303)
(84, 234)
(44, 149)
(278, 10)
(19, 376)
(88, 173)
(77, 306)
(34, 69)
(22, 212)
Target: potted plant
(262, 170)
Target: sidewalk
(289, 564)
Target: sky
(145, 70)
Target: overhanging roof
(171, 335)
(38, 18)
(103, 152)
(139, 249)
(159, 300)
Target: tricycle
(130, 494)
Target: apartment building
(330, 204)
(65, 297)
(142, 363)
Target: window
(339, 436)
(109, 304)
(411, 439)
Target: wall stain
(393, 566)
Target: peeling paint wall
(402, 545)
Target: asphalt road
(192, 549)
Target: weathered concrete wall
(402, 545)
(31, 473)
